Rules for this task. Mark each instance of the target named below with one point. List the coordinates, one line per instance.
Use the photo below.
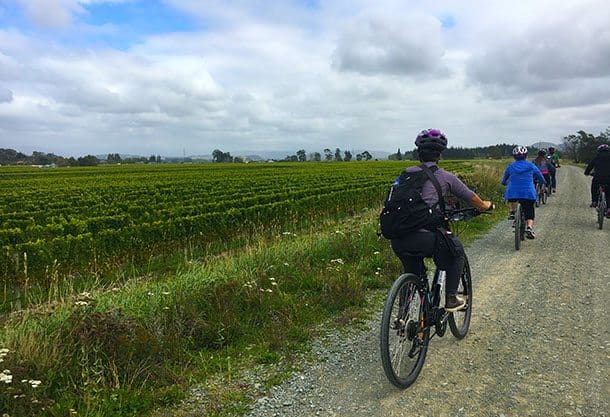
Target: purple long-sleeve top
(450, 184)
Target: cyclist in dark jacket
(599, 168)
(554, 158)
(430, 143)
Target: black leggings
(527, 207)
(422, 243)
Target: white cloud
(51, 13)
(386, 45)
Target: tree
(301, 155)
(398, 155)
(316, 157)
(338, 155)
(367, 156)
(88, 161)
(158, 159)
(359, 157)
(220, 156)
(328, 155)
(347, 156)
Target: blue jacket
(520, 179)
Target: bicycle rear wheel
(403, 336)
(601, 210)
(539, 194)
(518, 221)
(544, 194)
(459, 321)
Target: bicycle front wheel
(404, 337)
(459, 321)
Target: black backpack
(404, 211)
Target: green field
(290, 245)
(77, 220)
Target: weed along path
(539, 342)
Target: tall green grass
(123, 351)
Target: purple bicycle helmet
(603, 148)
(520, 152)
(431, 139)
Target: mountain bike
(519, 226)
(412, 316)
(542, 191)
(602, 207)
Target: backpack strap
(437, 185)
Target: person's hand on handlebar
(482, 205)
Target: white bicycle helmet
(520, 152)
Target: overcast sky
(190, 76)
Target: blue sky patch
(447, 21)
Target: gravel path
(539, 341)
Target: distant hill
(545, 145)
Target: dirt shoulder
(539, 343)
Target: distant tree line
(13, 157)
(582, 146)
(579, 147)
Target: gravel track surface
(539, 341)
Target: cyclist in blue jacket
(519, 176)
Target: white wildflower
(81, 303)
(85, 294)
(377, 273)
(150, 293)
(376, 252)
(6, 377)
(165, 292)
(4, 351)
(338, 260)
(273, 283)
(269, 290)
(286, 264)
(34, 383)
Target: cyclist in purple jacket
(430, 144)
(519, 176)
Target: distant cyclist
(599, 168)
(544, 165)
(519, 178)
(554, 158)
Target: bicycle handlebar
(466, 213)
